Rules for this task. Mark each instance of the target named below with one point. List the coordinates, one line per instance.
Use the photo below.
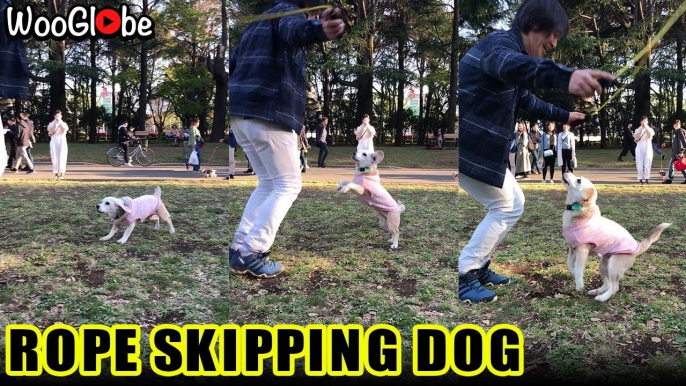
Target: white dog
(367, 184)
(585, 230)
(210, 173)
(126, 212)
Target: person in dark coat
(629, 143)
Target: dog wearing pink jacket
(367, 185)
(125, 212)
(585, 230)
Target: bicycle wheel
(115, 156)
(145, 157)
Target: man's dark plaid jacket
(267, 68)
(495, 78)
(14, 65)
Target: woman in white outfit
(365, 135)
(644, 150)
(57, 130)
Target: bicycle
(141, 154)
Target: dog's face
(367, 159)
(113, 207)
(579, 189)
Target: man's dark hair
(57, 112)
(542, 16)
(365, 116)
(24, 116)
(677, 122)
(306, 3)
(325, 119)
(11, 120)
(124, 120)
(643, 118)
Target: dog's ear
(378, 157)
(123, 203)
(589, 195)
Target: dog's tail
(158, 192)
(402, 206)
(648, 241)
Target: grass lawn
(405, 157)
(339, 269)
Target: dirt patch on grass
(92, 278)
(404, 287)
(173, 317)
(641, 348)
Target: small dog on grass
(210, 173)
(367, 184)
(586, 230)
(126, 212)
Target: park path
(170, 172)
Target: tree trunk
(642, 89)
(680, 83)
(365, 88)
(92, 119)
(143, 90)
(57, 77)
(221, 79)
(113, 117)
(400, 116)
(454, 68)
(326, 83)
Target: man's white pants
(271, 150)
(232, 160)
(505, 207)
(644, 159)
(23, 154)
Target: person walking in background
(549, 151)
(185, 141)
(678, 145)
(321, 142)
(195, 142)
(629, 143)
(57, 130)
(230, 140)
(657, 142)
(25, 117)
(12, 136)
(566, 149)
(365, 134)
(304, 146)
(534, 146)
(522, 159)
(23, 143)
(644, 152)
(439, 139)
(124, 138)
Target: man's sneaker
(233, 257)
(552, 182)
(472, 291)
(544, 181)
(683, 183)
(489, 278)
(663, 156)
(667, 181)
(257, 265)
(128, 164)
(620, 159)
(30, 171)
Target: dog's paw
(344, 188)
(121, 241)
(394, 246)
(171, 230)
(600, 298)
(579, 289)
(341, 185)
(593, 292)
(104, 238)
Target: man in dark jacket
(123, 137)
(320, 140)
(32, 137)
(678, 144)
(267, 90)
(11, 137)
(657, 142)
(495, 77)
(629, 143)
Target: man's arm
(532, 105)
(300, 32)
(505, 63)
(232, 60)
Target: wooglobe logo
(80, 23)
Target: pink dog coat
(141, 208)
(609, 237)
(380, 199)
